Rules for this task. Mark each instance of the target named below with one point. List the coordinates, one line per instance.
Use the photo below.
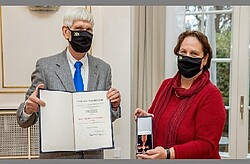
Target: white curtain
(211, 34)
(148, 52)
(175, 24)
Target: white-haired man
(57, 73)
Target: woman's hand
(140, 112)
(156, 153)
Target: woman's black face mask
(189, 66)
(81, 40)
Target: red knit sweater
(200, 131)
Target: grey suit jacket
(54, 72)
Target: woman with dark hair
(188, 109)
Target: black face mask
(80, 40)
(189, 66)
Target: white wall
(28, 36)
(112, 43)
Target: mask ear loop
(205, 56)
(205, 64)
(71, 32)
(69, 29)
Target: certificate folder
(76, 121)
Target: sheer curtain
(175, 24)
(148, 53)
(148, 56)
(211, 34)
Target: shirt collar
(72, 60)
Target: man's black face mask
(80, 40)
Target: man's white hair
(76, 14)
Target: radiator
(17, 142)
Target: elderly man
(58, 72)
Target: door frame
(238, 128)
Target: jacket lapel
(63, 72)
(93, 74)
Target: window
(216, 23)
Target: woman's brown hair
(207, 50)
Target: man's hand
(114, 96)
(33, 102)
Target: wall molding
(2, 65)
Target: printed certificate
(75, 121)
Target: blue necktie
(78, 77)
